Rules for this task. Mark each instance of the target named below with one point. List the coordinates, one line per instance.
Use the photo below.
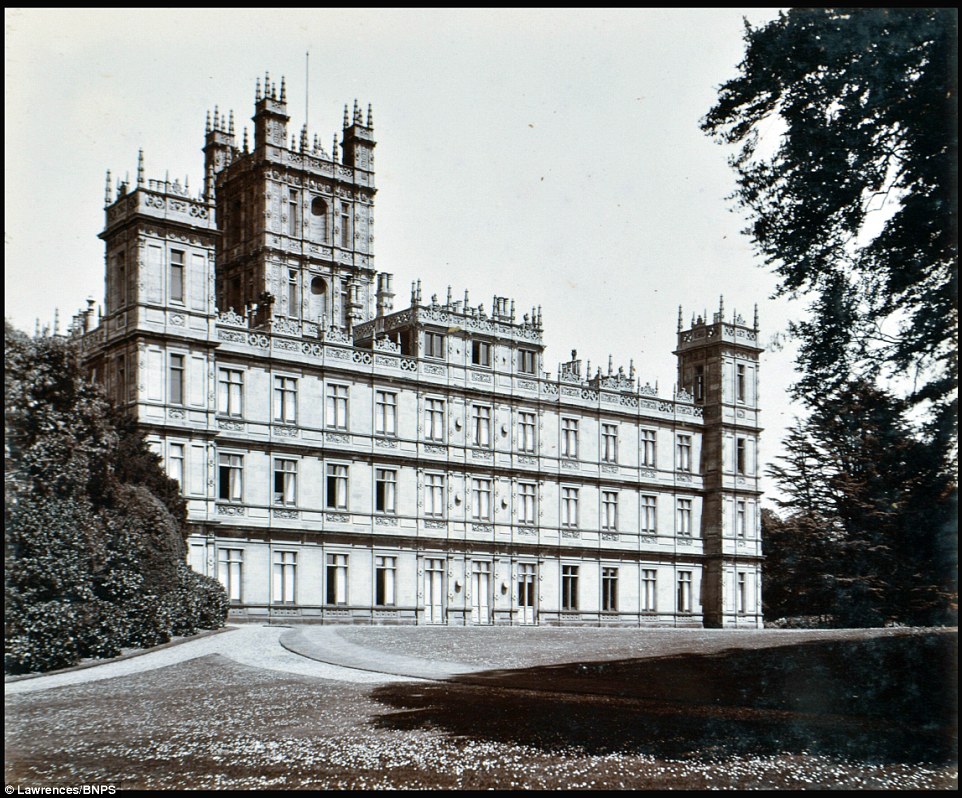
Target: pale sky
(552, 156)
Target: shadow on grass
(889, 699)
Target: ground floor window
(337, 579)
(229, 571)
(433, 591)
(285, 564)
(385, 571)
(526, 594)
(648, 582)
(569, 587)
(609, 589)
(481, 592)
(741, 594)
(684, 591)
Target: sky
(552, 156)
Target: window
(337, 579)
(292, 213)
(684, 591)
(434, 495)
(741, 593)
(609, 509)
(385, 571)
(481, 425)
(293, 296)
(229, 571)
(569, 507)
(230, 477)
(684, 453)
(176, 275)
(176, 379)
(481, 353)
(122, 378)
(120, 281)
(609, 443)
(434, 345)
(385, 413)
(741, 519)
(684, 517)
(741, 460)
(526, 361)
(285, 482)
(285, 400)
(648, 592)
(175, 463)
(230, 392)
(609, 589)
(336, 487)
(337, 407)
(285, 563)
(699, 383)
(740, 383)
(434, 419)
(649, 515)
(569, 587)
(345, 226)
(526, 594)
(481, 499)
(569, 437)
(526, 427)
(385, 490)
(648, 448)
(526, 503)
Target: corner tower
(718, 365)
(296, 220)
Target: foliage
(94, 549)
(846, 126)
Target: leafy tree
(845, 123)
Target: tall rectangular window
(609, 443)
(285, 482)
(385, 572)
(683, 453)
(684, 591)
(741, 462)
(336, 407)
(385, 413)
(337, 579)
(526, 429)
(569, 437)
(176, 379)
(120, 281)
(569, 507)
(230, 392)
(230, 477)
(292, 213)
(740, 383)
(649, 578)
(434, 495)
(647, 453)
(385, 490)
(176, 275)
(345, 226)
(699, 383)
(285, 565)
(569, 587)
(526, 502)
(481, 353)
(336, 487)
(741, 519)
(481, 499)
(434, 419)
(684, 517)
(609, 509)
(229, 563)
(649, 515)
(526, 361)
(293, 296)
(741, 593)
(176, 463)
(285, 400)
(481, 425)
(609, 589)
(434, 345)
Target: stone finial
(230, 124)
(246, 142)
(512, 310)
(304, 138)
(721, 307)
(283, 89)
(209, 189)
(631, 369)
(414, 294)
(207, 123)
(56, 321)
(679, 319)
(216, 118)
(419, 292)
(257, 91)
(755, 325)
(107, 196)
(347, 122)
(357, 113)
(611, 365)
(370, 116)
(140, 167)
(334, 149)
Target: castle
(344, 461)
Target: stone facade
(346, 462)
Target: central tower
(296, 220)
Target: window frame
(337, 496)
(285, 399)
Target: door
(526, 594)
(481, 593)
(433, 591)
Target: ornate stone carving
(435, 524)
(279, 513)
(386, 345)
(430, 368)
(339, 518)
(173, 412)
(383, 520)
(386, 443)
(333, 437)
(609, 469)
(381, 360)
(176, 319)
(571, 533)
(285, 432)
(234, 337)
(431, 449)
(286, 327)
(230, 425)
(609, 536)
(258, 340)
(230, 509)
(286, 346)
(232, 319)
(477, 376)
(487, 529)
